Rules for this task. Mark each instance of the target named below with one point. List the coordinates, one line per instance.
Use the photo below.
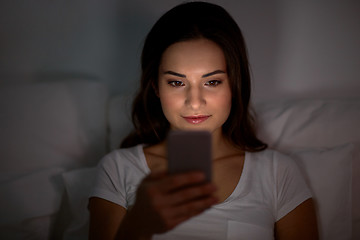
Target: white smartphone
(189, 151)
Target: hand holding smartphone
(190, 151)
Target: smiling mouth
(196, 119)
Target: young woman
(195, 76)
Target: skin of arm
(300, 223)
(162, 202)
(105, 218)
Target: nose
(194, 98)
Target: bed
(54, 133)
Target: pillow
(328, 174)
(31, 228)
(50, 124)
(28, 204)
(46, 125)
(292, 124)
(287, 125)
(78, 184)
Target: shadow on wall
(297, 49)
(261, 27)
(319, 49)
(58, 39)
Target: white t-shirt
(270, 187)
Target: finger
(191, 193)
(193, 208)
(159, 187)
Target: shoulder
(280, 173)
(125, 152)
(271, 156)
(276, 163)
(118, 175)
(284, 170)
(124, 158)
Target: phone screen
(190, 151)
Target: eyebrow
(203, 76)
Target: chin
(195, 128)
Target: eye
(213, 83)
(176, 83)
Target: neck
(222, 147)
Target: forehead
(193, 55)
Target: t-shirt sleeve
(291, 187)
(108, 184)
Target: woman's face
(194, 88)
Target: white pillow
(50, 124)
(28, 204)
(30, 228)
(308, 123)
(33, 195)
(288, 125)
(46, 125)
(78, 184)
(328, 173)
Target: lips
(196, 119)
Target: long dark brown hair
(185, 22)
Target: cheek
(169, 102)
(223, 103)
